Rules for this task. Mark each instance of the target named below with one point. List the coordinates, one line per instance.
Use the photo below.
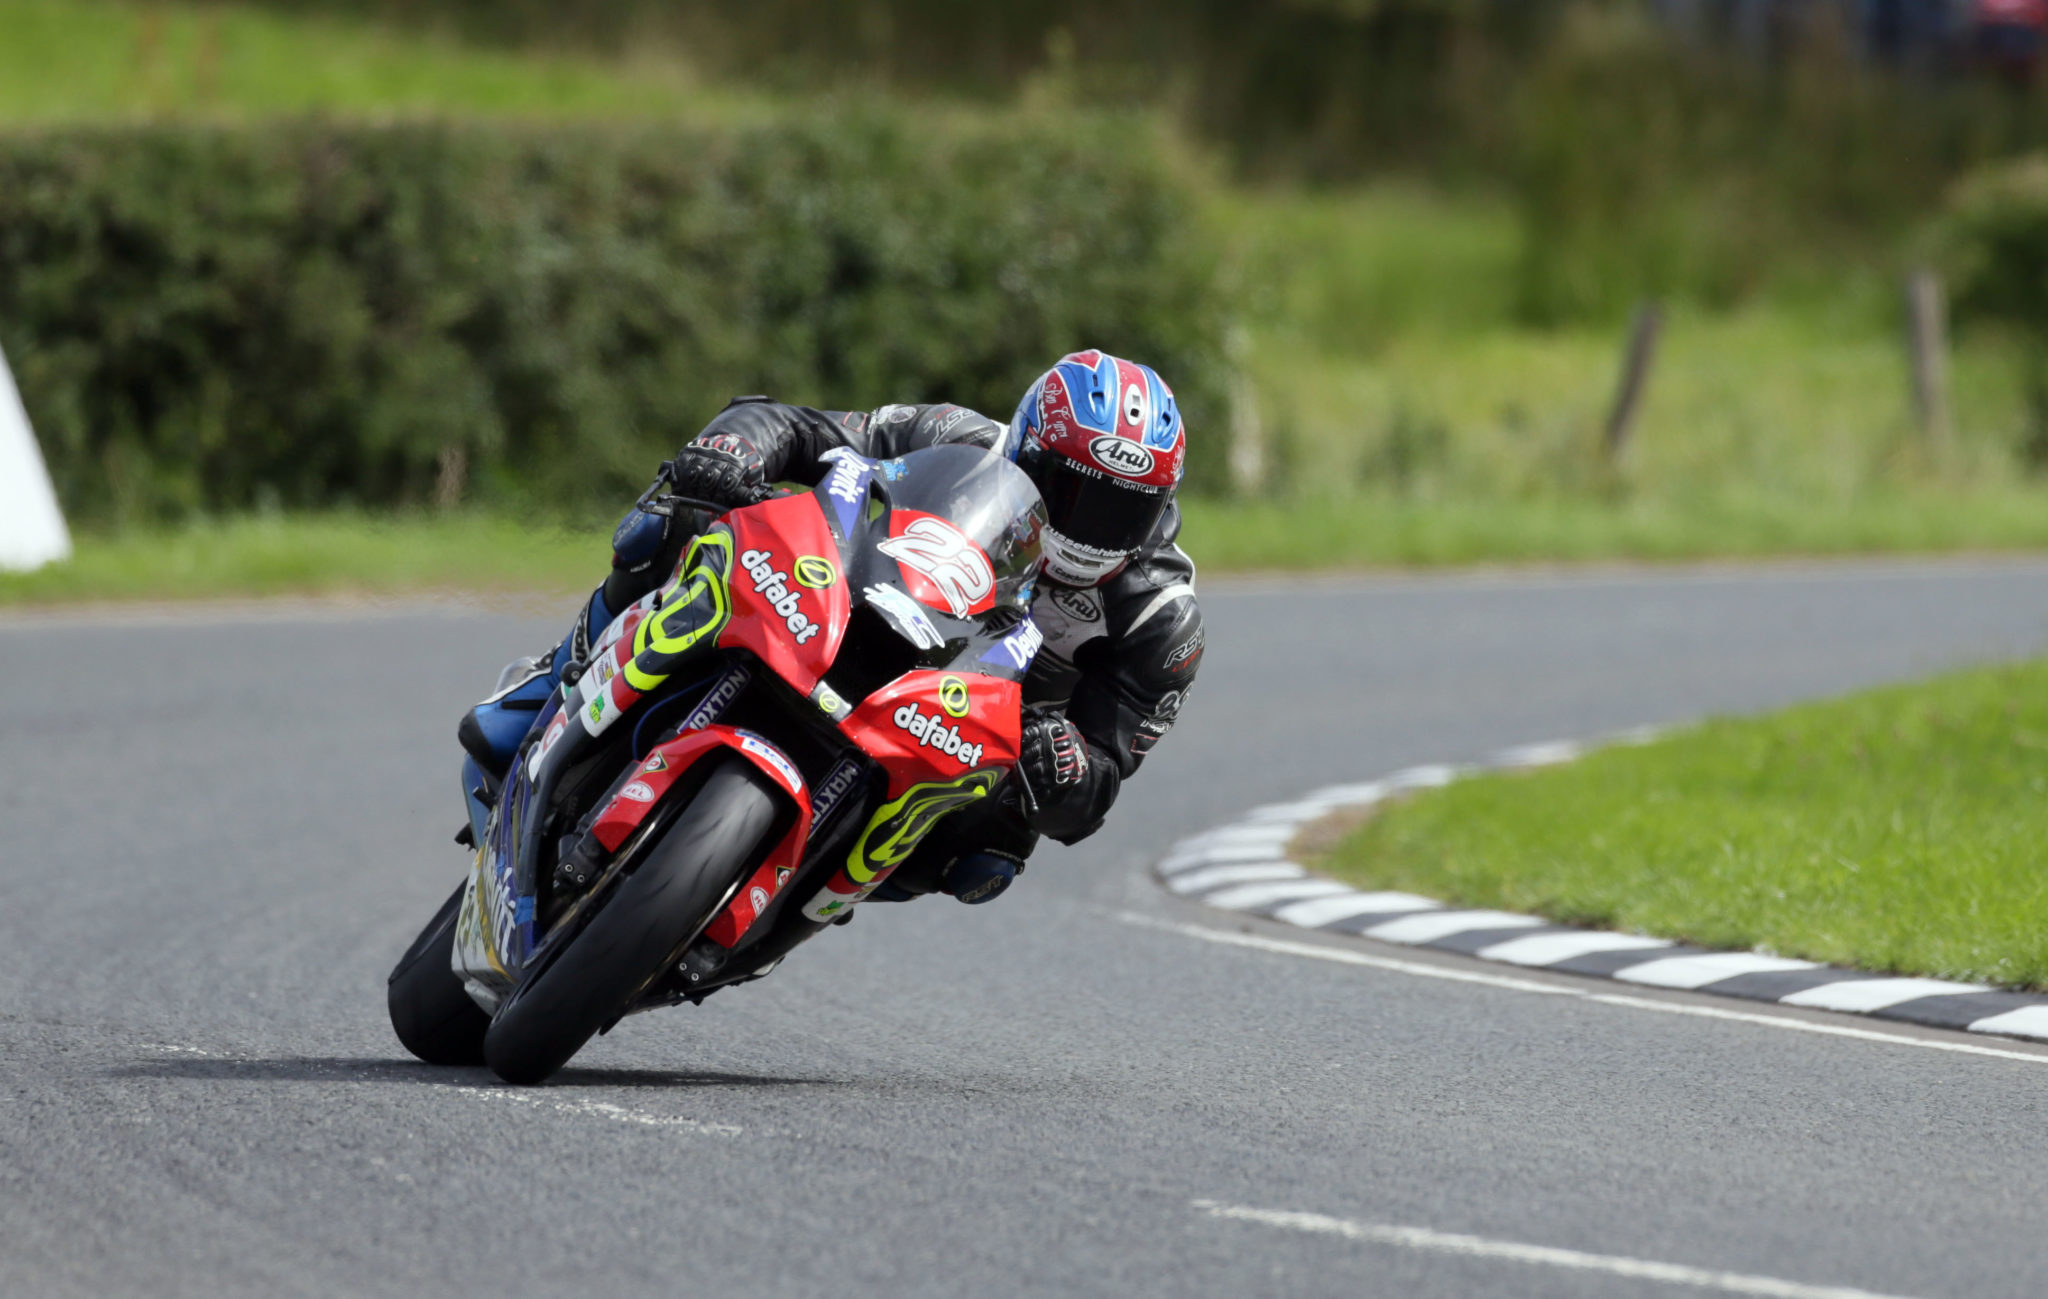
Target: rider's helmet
(1102, 438)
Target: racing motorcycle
(742, 757)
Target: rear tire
(640, 930)
(433, 1014)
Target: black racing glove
(718, 476)
(1054, 759)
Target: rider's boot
(491, 731)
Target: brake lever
(666, 503)
(1024, 789)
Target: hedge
(317, 314)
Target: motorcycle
(742, 757)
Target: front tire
(640, 930)
(431, 1011)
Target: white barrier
(32, 531)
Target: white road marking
(1209, 877)
(1442, 924)
(1712, 967)
(1323, 911)
(602, 1110)
(1359, 795)
(1876, 994)
(1274, 837)
(532, 1100)
(1807, 1026)
(1291, 814)
(1547, 754)
(1549, 949)
(2030, 1021)
(1445, 1242)
(1195, 857)
(1246, 896)
(1430, 777)
(1340, 956)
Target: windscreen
(984, 496)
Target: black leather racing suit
(1118, 658)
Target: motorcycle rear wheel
(433, 1014)
(639, 931)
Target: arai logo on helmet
(1121, 456)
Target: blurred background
(319, 292)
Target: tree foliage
(319, 314)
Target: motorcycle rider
(1102, 439)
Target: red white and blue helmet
(1103, 440)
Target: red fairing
(936, 726)
(660, 770)
(753, 898)
(789, 596)
(942, 566)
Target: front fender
(658, 773)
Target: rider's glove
(713, 474)
(1054, 759)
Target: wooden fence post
(1927, 347)
(1635, 376)
(452, 476)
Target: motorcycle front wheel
(432, 1013)
(640, 930)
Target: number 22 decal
(957, 567)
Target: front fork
(684, 622)
(477, 797)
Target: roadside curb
(1242, 868)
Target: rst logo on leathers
(931, 732)
(955, 566)
(774, 587)
(1121, 456)
(1186, 654)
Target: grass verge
(318, 555)
(1898, 830)
(1369, 532)
(73, 60)
(328, 554)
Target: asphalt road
(217, 832)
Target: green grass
(1386, 359)
(1903, 830)
(319, 555)
(356, 554)
(1363, 531)
(72, 60)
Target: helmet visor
(1096, 510)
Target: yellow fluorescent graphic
(896, 827)
(953, 696)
